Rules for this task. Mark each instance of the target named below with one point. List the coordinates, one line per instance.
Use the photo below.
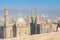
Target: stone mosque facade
(21, 27)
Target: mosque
(21, 27)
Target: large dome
(20, 21)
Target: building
(21, 27)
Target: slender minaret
(28, 23)
(36, 22)
(6, 24)
(37, 17)
(6, 16)
(32, 16)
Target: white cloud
(20, 14)
(43, 15)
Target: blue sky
(20, 7)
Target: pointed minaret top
(6, 11)
(32, 14)
(37, 12)
(6, 8)
(6, 16)
(37, 19)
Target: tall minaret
(32, 16)
(37, 22)
(37, 17)
(28, 23)
(6, 16)
(6, 24)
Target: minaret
(6, 16)
(37, 17)
(6, 24)
(28, 23)
(37, 23)
(32, 17)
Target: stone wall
(46, 36)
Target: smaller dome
(20, 21)
(48, 20)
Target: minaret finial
(6, 16)
(6, 11)
(6, 8)
(37, 17)
(32, 16)
(37, 12)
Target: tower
(6, 16)
(32, 17)
(37, 23)
(6, 24)
(32, 24)
(37, 17)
